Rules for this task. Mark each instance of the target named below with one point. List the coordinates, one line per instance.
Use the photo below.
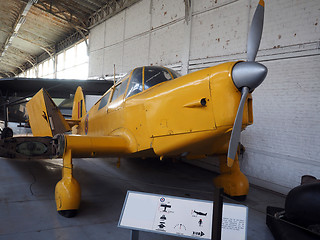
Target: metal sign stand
(217, 214)
(134, 235)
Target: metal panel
(113, 55)
(136, 53)
(219, 32)
(137, 19)
(167, 44)
(166, 11)
(290, 23)
(96, 63)
(114, 29)
(97, 37)
(208, 5)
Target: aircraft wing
(92, 146)
(81, 146)
(17, 89)
(57, 88)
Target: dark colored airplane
(14, 93)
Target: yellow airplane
(153, 111)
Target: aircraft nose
(248, 74)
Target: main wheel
(68, 196)
(68, 213)
(6, 133)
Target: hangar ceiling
(33, 30)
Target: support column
(6, 114)
(55, 65)
(134, 235)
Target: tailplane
(45, 118)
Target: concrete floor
(27, 206)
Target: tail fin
(45, 117)
(79, 107)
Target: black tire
(6, 133)
(68, 213)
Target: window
(70, 57)
(60, 65)
(135, 85)
(46, 69)
(123, 87)
(115, 92)
(82, 55)
(70, 64)
(155, 75)
(104, 100)
(40, 70)
(73, 62)
(120, 89)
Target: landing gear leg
(232, 180)
(67, 192)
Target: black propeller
(247, 76)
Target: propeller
(246, 77)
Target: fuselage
(189, 115)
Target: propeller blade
(247, 76)
(236, 130)
(255, 32)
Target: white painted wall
(284, 142)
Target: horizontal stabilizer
(45, 117)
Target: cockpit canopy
(153, 75)
(139, 79)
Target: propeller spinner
(247, 76)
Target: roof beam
(85, 6)
(5, 74)
(19, 21)
(62, 14)
(18, 52)
(111, 8)
(97, 3)
(9, 64)
(34, 40)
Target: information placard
(182, 217)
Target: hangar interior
(111, 37)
